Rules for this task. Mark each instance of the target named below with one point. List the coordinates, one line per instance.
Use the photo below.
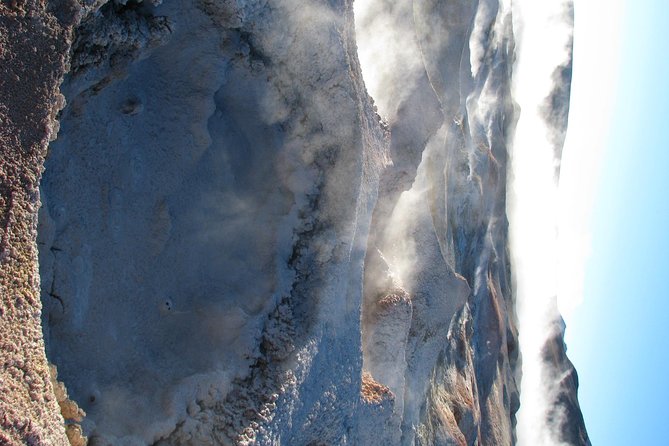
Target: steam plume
(542, 33)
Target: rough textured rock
(234, 248)
(446, 236)
(219, 230)
(565, 411)
(33, 48)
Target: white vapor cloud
(542, 35)
(596, 61)
(388, 51)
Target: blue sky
(618, 337)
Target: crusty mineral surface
(34, 43)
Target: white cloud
(596, 62)
(388, 52)
(549, 225)
(542, 35)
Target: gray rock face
(205, 264)
(234, 248)
(565, 412)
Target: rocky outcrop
(234, 248)
(214, 244)
(34, 41)
(446, 235)
(565, 411)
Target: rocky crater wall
(235, 247)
